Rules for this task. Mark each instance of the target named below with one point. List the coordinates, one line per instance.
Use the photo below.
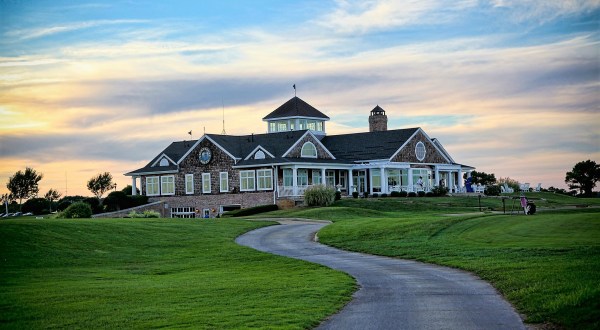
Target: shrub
(115, 201)
(250, 211)
(439, 191)
(366, 194)
(395, 194)
(492, 190)
(421, 193)
(429, 194)
(78, 210)
(375, 195)
(355, 194)
(319, 195)
(68, 200)
(384, 195)
(36, 206)
(403, 193)
(137, 200)
(412, 194)
(145, 214)
(338, 195)
(94, 203)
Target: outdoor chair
(506, 189)
(538, 188)
(525, 187)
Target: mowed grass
(547, 265)
(142, 273)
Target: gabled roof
(174, 151)
(368, 145)
(296, 107)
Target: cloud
(544, 11)
(34, 33)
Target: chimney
(377, 120)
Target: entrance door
(360, 181)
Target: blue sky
(510, 87)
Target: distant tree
(481, 178)
(100, 184)
(51, 196)
(512, 183)
(6, 199)
(128, 189)
(24, 185)
(584, 176)
(36, 206)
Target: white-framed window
(330, 178)
(316, 177)
(265, 179)
(167, 185)
(206, 183)
(288, 177)
(420, 151)
(164, 162)
(152, 188)
(343, 175)
(189, 184)
(247, 181)
(224, 182)
(302, 177)
(393, 177)
(376, 179)
(308, 150)
(272, 126)
(311, 125)
(259, 155)
(302, 124)
(282, 126)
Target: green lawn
(138, 273)
(547, 265)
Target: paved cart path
(394, 293)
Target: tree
(128, 190)
(100, 184)
(6, 199)
(24, 185)
(51, 196)
(584, 176)
(482, 178)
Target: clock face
(205, 155)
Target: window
(224, 182)
(189, 183)
(376, 179)
(288, 177)
(311, 124)
(330, 178)
(308, 150)
(319, 126)
(259, 155)
(265, 179)
(183, 212)
(152, 188)
(302, 124)
(167, 185)
(420, 151)
(316, 177)
(206, 183)
(164, 162)
(302, 177)
(424, 173)
(393, 176)
(272, 127)
(247, 181)
(281, 126)
(343, 175)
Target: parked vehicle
(28, 213)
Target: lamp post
(479, 197)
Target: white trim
(257, 179)
(221, 181)
(309, 156)
(259, 147)
(439, 145)
(155, 172)
(204, 180)
(420, 143)
(295, 117)
(163, 155)
(162, 193)
(253, 177)
(186, 186)
(213, 142)
(157, 183)
(412, 137)
(315, 138)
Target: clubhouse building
(217, 173)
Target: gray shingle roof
(368, 145)
(175, 151)
(296, 107)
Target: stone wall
(296, 151)
(407, 154)
(157, 206)
(378, 123)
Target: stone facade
(407, 153)
(377, 123)
(296, 151)
(214, 202)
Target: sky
(511, 87)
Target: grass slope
(144, 273)
(547, 265)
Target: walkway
(394, 293)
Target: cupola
(296, 115)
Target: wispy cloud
(33, 33)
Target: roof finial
(294, 90)
(223, 105)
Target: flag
(190, 133)
(294, 86)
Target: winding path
(394, 293)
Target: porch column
(350, 183)
(323, 179)
(276, 181)
(133, 186)
(410, 180)
(436, 182)
(295, 180)
(384, 182)
(451, 181)
(460, 181)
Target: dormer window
(164, 162)
(259, 155)
(308, 150)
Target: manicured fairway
(114, 273)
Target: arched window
(308, 150)
(164, 162)
(259, 155)
(420, 151)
